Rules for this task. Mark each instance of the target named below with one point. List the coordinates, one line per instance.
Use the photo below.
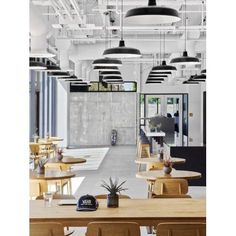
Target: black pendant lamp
(201, 76)
(203, 71)
(59, 74)
(36, 65)
(185, 59)
(160, 73)
(117, 77)
(122, 51)
(157, 76)
(152, 15)
(105, 68)
(163, 67)
(110, 73)
(51, 67)
(153, 82)
(107, 62)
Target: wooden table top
(146, 212)
(67, 160)
(175, 174)
(175, 160)
(52, 175)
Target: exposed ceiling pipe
(53, 4)
(76, 8)
(38, 32)
(66, 9)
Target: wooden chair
(47, 149)
(45, 229)
(37, 187)
(104, 196)
(35, 152)
(113, 228)
(170, 187)
(155, 166)
(171, 196)
(63, 182)
(61, 196)
(143, 151)
(181, 229)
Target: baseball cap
(87, 203)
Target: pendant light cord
(163, 46)
(121, 15)
(160, 47)
(185, 19)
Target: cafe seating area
(117, 118)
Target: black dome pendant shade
(152, 15)
(203, 71)
(122, 51)
(157, 76)
(72, 77)
(185, 60)
(59, 74)
(107, 62)
(153, 82)
(201, 76)
(163, 68)
(105, 68)
(155, 79)
(36, 65)
(110, 73)
(112, 77)
(160, 73)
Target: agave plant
(113, 187)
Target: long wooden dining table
(146, 212)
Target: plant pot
(112, 201)
(167, 170)
(59, 157)
(41, 170)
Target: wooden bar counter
(146, 212)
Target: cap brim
(85, 209)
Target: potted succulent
(113, 188)
(59, 154)
(167, 168)
(41, 166)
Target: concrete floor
(119, 162)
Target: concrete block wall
(92, 116)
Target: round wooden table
(175, 174)
(156, 163)
(154, 160)
(152, 175)
(65, 163)
(67, 160)
(51, 175)
(39, 182)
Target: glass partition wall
(173, 106)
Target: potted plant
(59, 154)
(167, 168)
(113, 187)
(41, 166)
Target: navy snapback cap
(87, 203)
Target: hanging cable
(185, 20)
(121, 19)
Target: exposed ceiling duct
(38, 35)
